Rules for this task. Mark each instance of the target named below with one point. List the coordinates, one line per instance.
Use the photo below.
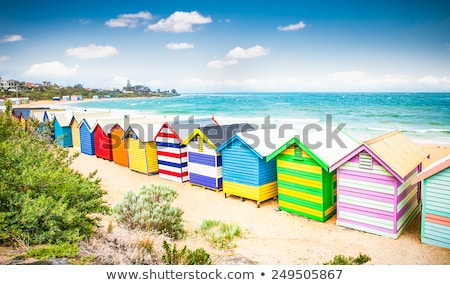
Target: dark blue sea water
(424, 117)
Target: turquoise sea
(423, 117)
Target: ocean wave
(421, 131)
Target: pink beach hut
(374, 189)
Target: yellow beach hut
(141, 146)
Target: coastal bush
(185, 256)
(151, 209)
(43, 200)
(220, 234)
(53, 251)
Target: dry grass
(116, 245)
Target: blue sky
(228, 45)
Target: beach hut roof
(432, 169)
(50, 114)
(89, 122)
(182, 129)
(18, 112)
(262, 142)
(317, 145)
(64, 118)
(78, 116)
(145, 131)
(215, 136)
(38, 115)
(394, 151)
(109, 123)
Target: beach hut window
(134, 136)
(298, 153)
(365, 161)
(200, 143)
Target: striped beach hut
(205, 164)
(435, 226)
(306, 186)
(172, 154)
(75, 122)
(245, 169)
(141, 146)
(61, 128)
(374, 190)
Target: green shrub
(53, 251)
(185, 256)
(342, 260)
(43, 200)
(220, 234)
(151, 209)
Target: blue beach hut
(62, 130)
(246, 172)
(205, 164)
(87, 145)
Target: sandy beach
(270, 236)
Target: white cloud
(179, 46)
(129, 20)
(51, 69)
(12, 38)
(360, 80)
(240, 53)
(85, 21)
(4, 58)
(293, 27)
(92, 51)
(433, 80)
(180, 22)
(219, 64)
(353, 75)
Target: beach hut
(306, 186)
(61, 128)
(108, 134)
(102, 137)
(374, 190)
(22, 113)
(435, 226)
(85, 127)
(172, 154)
(75, 122)
(141, 146)
(246, 172)
(119, 150)
(205, 164)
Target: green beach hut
(306, 187)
